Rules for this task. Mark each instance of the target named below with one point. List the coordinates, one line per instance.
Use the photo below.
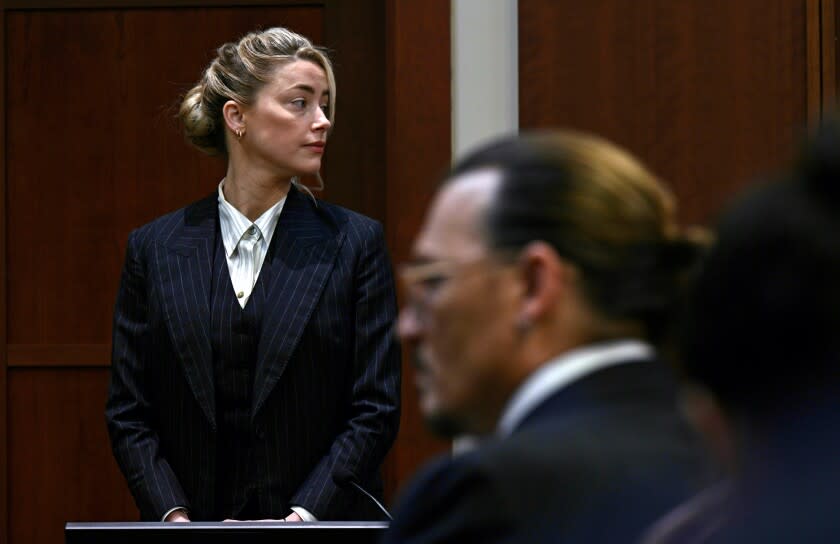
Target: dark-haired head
(599, 208)
(764, 333)
(535, 245)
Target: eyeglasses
(426, 280)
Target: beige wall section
(485, 82)
(485, 74)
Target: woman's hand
(293, 517)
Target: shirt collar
(562, 371)
(233, 223)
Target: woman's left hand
(293, 517)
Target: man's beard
(442, 424)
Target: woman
(252, 354)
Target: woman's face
(286, 126)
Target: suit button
(259, 431)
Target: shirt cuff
(304, 514)
(166, 515)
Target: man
(762, 352)
(541, 279)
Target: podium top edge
(219, 525)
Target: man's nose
(409, 326)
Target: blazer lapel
(304, 252)
(186, 260)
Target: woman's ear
(234, 116)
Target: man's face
(461, 303)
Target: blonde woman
(252, 354)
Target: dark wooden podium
(241, 532)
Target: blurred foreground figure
(540, 283)
(763, 350)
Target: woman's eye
(326, 109)
(299, 103)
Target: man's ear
(546, 277)
(234, 116)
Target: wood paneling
(60, 465)
(354, 172)
(418, 150)
(828, 48)
(4, 444)
(708, 92)
(821, 39)
(74, 355)
(813, 56)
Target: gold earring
(239, 133)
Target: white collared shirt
(246, 243)
(562, 371)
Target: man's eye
(432, 283)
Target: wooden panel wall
(821, 28)
(4, 428)
(418, 150)
(354, 33)
(709, 93)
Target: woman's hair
(601, 210)
(237, 73)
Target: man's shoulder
(545, 485)
(568, 447)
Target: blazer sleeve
(134, 438)
(373, 418)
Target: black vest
(235, 335)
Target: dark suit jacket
(327, 375)
(786, 487)
(596, 462)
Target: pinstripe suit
(326, 378)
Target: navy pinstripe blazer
(327, 377)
